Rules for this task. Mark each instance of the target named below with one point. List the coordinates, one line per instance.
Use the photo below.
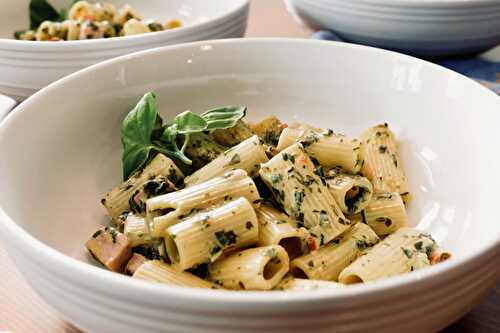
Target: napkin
(480, 68)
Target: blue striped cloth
(484, 71)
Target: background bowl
(62, 149)
(29, 66)
(426, 28)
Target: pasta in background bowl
(30, 65)
(48, 203)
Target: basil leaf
(189, 122)
(169, 134)
(223, 117)
(136, 130)
(41, 10)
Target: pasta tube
(72, 29)
(81, 11)
(405, 250)
(117, 201)
(157, 271)
(259, 268)
(331, 259)
(269, 130)
(202, 150)
(135, 27)
(328, 148)
(386, 213)
(247, 156)
(126, 13)
(232, 136)
(291, 177)
(134, 263)
(136, 230)
(203, 237)
(383, 166)
(169, 209)
(351, 192)
(275, 228)
(289, 283)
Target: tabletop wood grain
(22, 311)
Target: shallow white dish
(429, 28)
(64, 152)
(26, 67)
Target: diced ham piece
(110, 247)
(134, 263)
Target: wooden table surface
(22, 311)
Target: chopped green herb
(324, 220)
(361, 244)
(418, 245)
(428, 250)
(226, 238)
(394, 160)
(235, 159)
(343, 221)
(287, 156)
(407, 253)
(114, 234)
(310, 263)
(382, 149)
(276, 178)
(299, 198)
(97, 233)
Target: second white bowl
(422, 28)
(26, 67)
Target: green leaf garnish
(143, 133)
(223, 117)
(136, 131)
(189, 122)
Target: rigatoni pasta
(303, 194)
(205, 236)
(290, 283)
(262, 207)
(260, 268)
(117, 201)
(328, 148)
(382, 163)
(136, 230)
(159, 272)
(403, 251)
(275, 228)
(386, 213)
(246, 156)
(331, 259)
(166, 210)
(351, 192)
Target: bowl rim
(125, 41)
(409, 4)
(208, 296)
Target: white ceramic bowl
(429, 28)
(61, 150)
(26, 67)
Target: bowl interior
(15, 13)
(61, 148)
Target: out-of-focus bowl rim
(118, 42)
(236, 297)
(455, 4)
